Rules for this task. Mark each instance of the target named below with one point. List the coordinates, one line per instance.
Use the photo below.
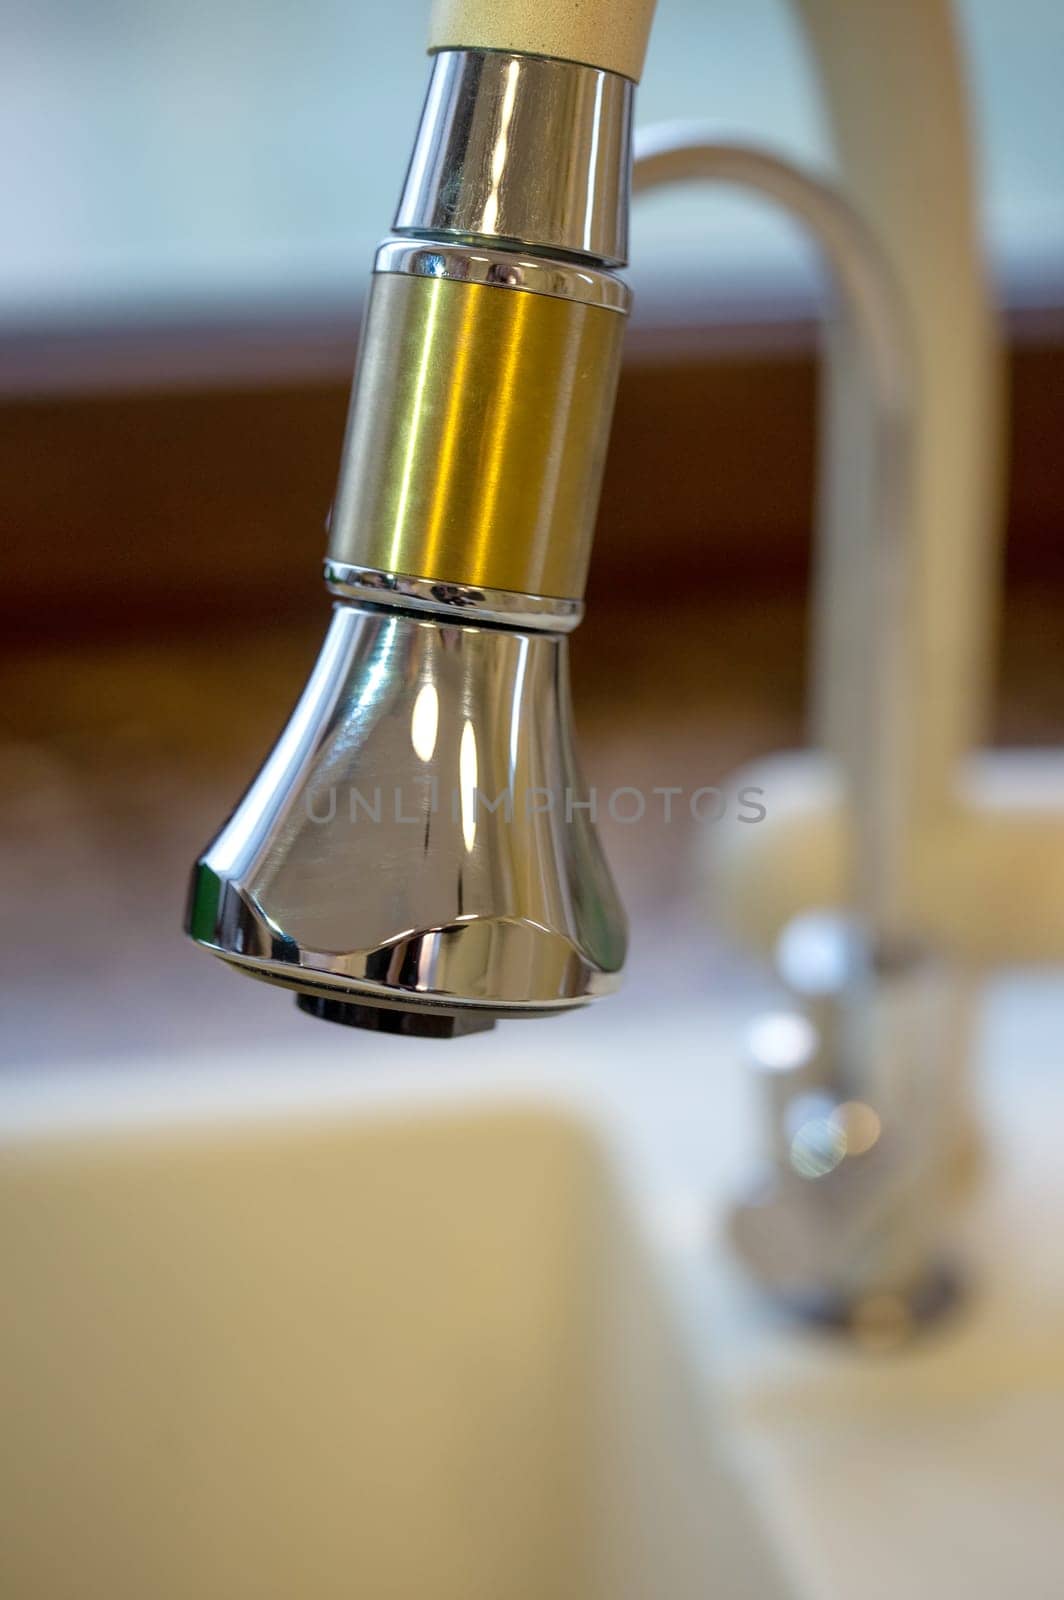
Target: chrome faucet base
(421, 836)
(886, 1320)
(867, 1132)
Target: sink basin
(336, 1332)
(406, 1354)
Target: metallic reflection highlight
(467, 779)
(425, 722)
(502, 140)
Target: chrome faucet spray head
(419, 853)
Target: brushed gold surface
(477, 435)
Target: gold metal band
(477, 435)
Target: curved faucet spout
(872, 731)
(894, 80)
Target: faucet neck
(491, 349)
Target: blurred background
(192, 196)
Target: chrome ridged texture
(505, 269)
(463, 602)
(376, 857)
(524, 149)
